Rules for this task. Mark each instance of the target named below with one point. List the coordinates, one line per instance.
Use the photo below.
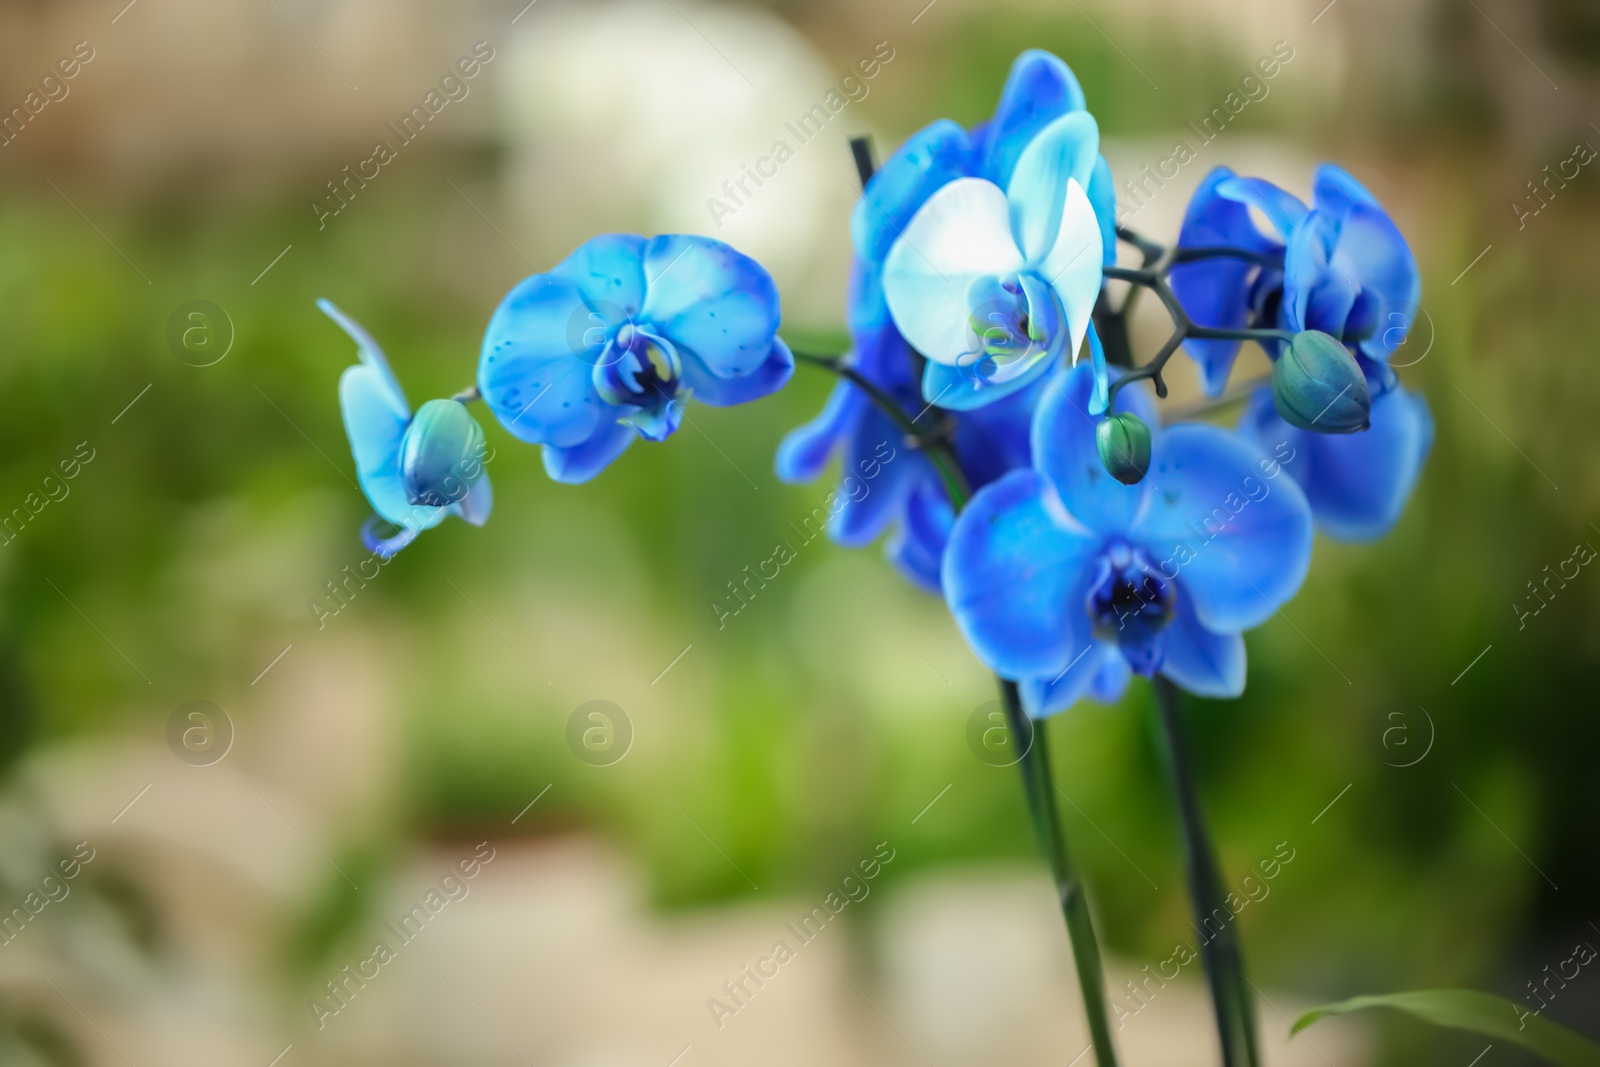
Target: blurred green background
(822, 718)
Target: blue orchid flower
(413, 470)
(610, 345)
(908, 498)
(994, 286)
(1009, 326)
(886, 483)
(1068, 581)
(1340, 266)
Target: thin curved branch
(1150, 250)
(1190, 255)
(1184, 327)
(934, 441)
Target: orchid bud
(1124, 444)
(441, 454)
(1318, 385)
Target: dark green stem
(1220, 952)
(933, 441)
(1039, 785)
(1190, 255)
(1183, 327)
(1112, 325)
(1149, 250)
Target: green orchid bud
(441, 454)
(1317, 385)
(1124, 444)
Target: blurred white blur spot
(651, 117)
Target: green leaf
(1482, 1013)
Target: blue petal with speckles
(574, 466)
(536, 371)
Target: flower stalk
(1222, 957)
(1038, 784)
(1221, 954)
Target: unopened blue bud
(441, 454)
(1317, 385)
(1124, 444)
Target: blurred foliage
(779, 749)
(1573, 28)
(1195, 76)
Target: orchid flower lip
(1014, 321)
(644, 382)
(1128, 605)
